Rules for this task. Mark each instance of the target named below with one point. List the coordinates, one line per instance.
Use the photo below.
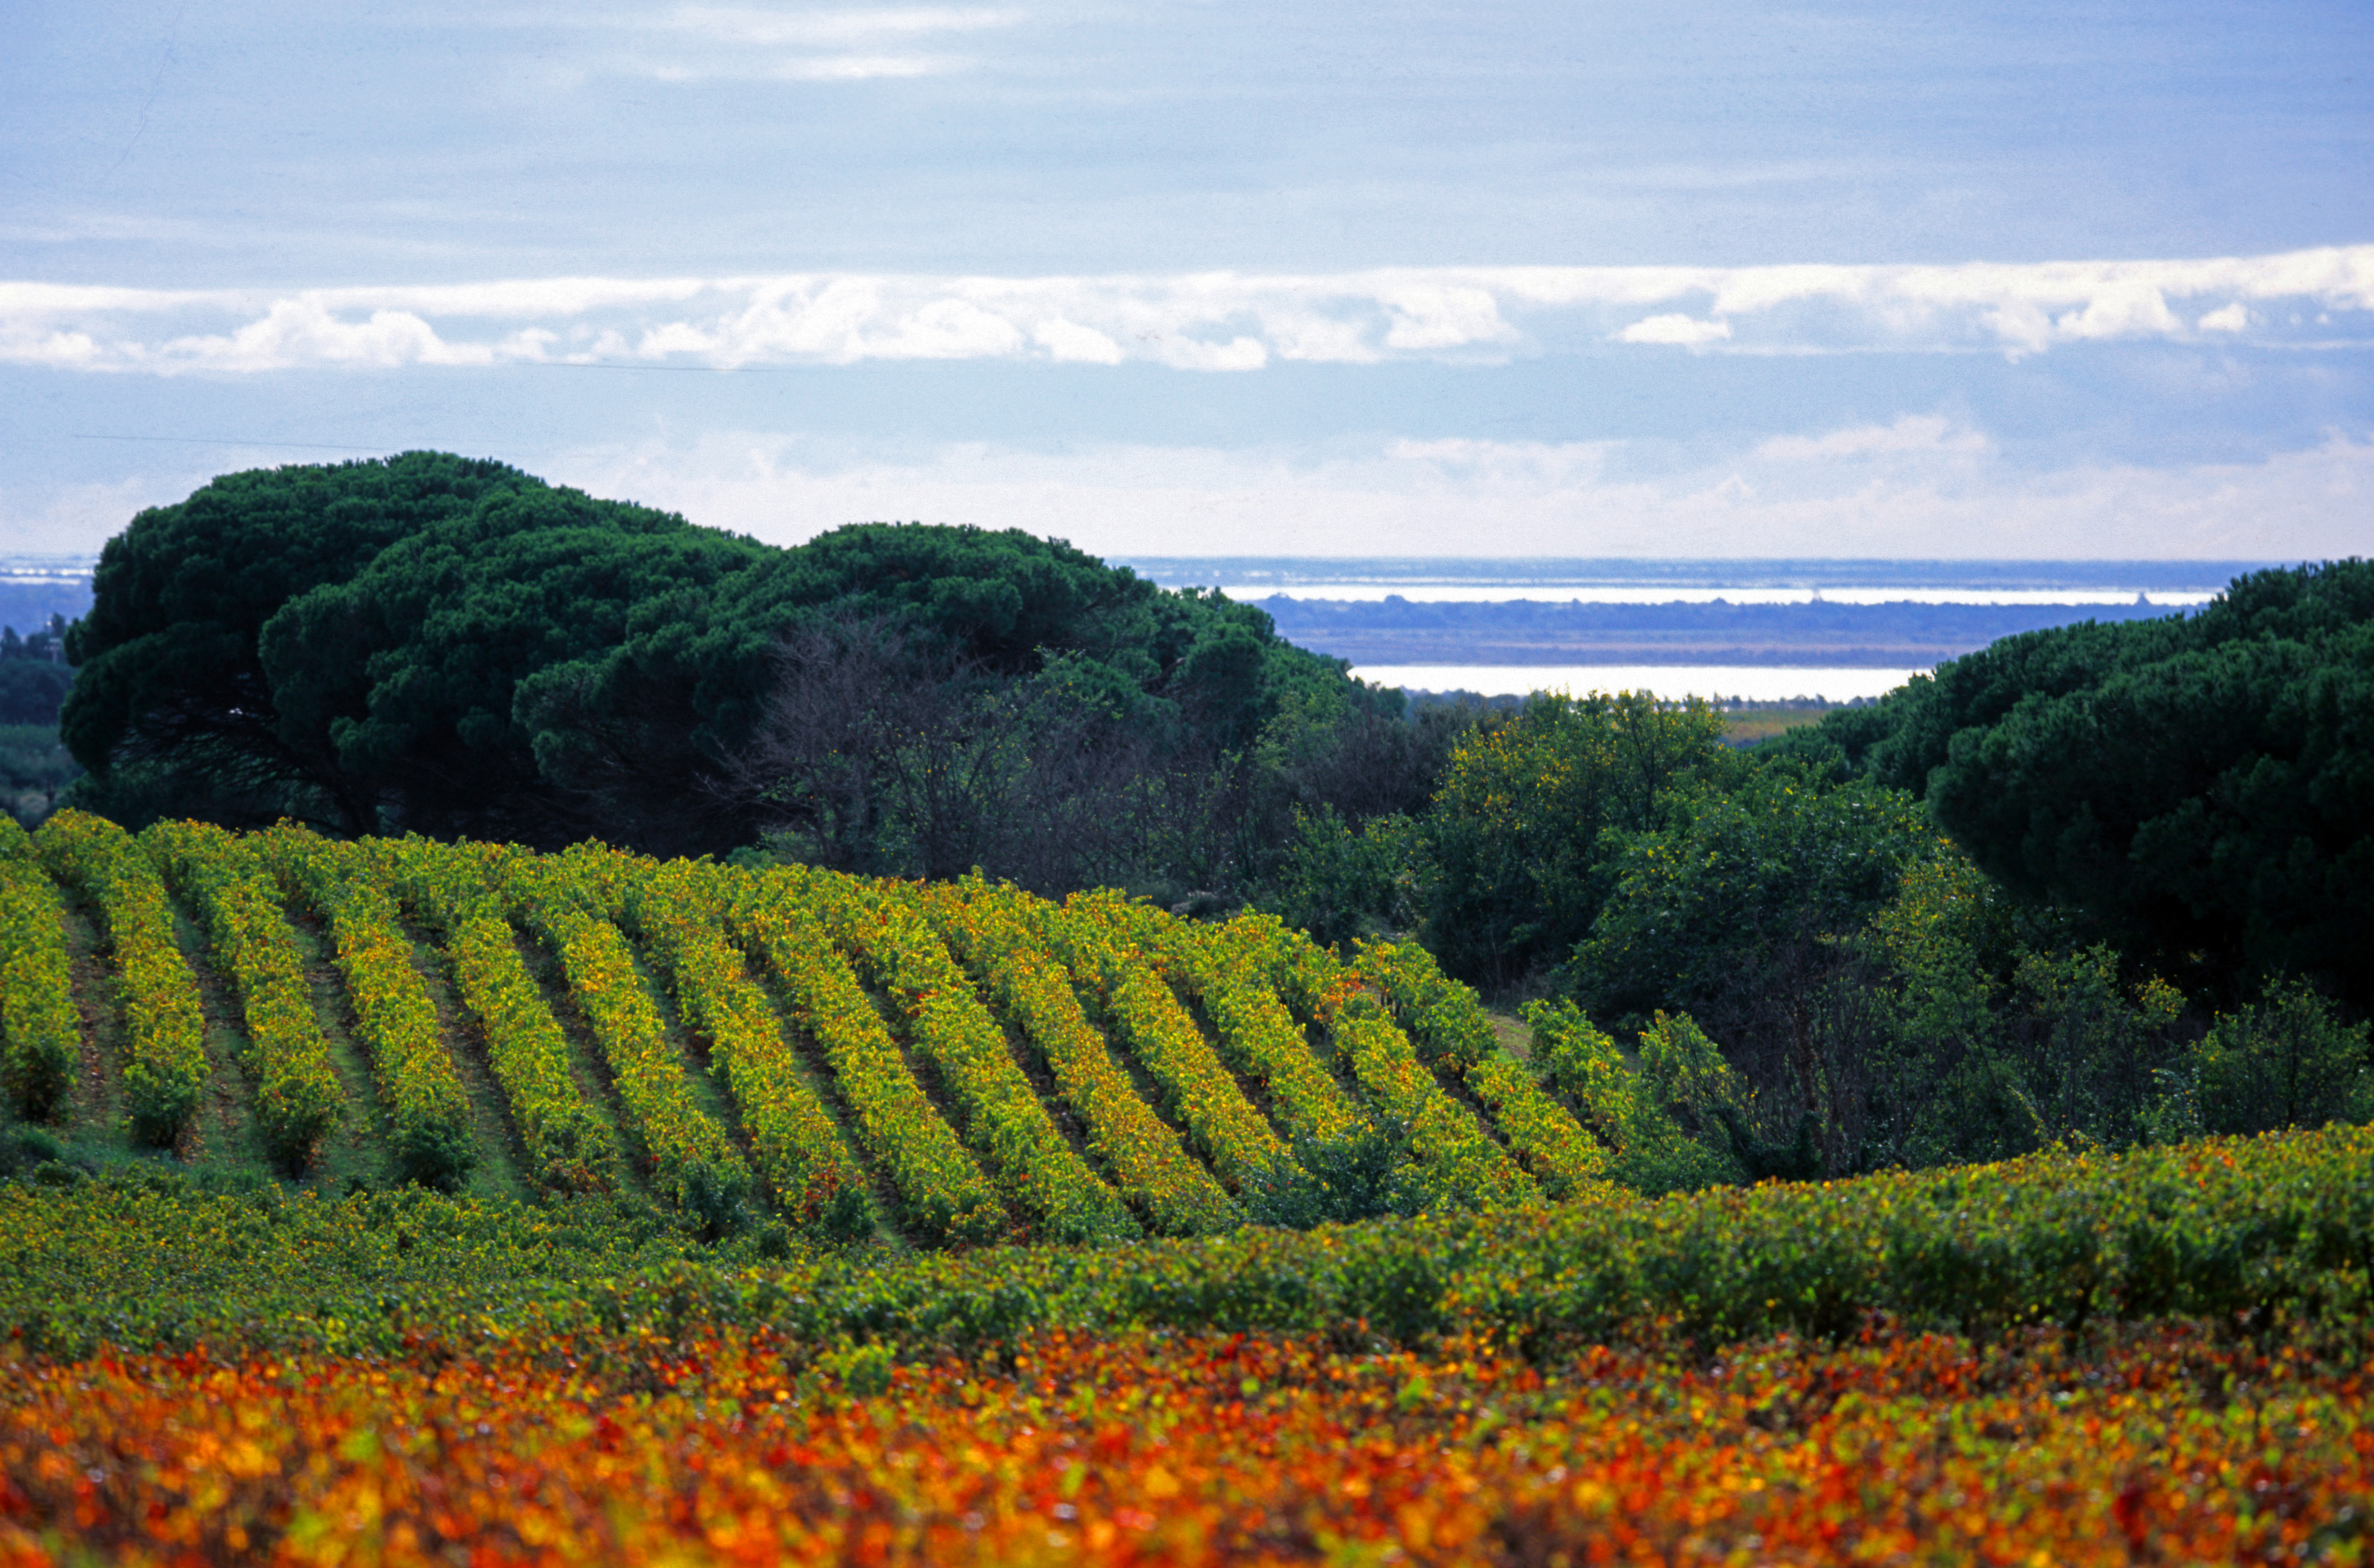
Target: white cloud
(1940, 499)
(1443, 316)
(1685, 332)
(1193, 353)
(26, 343)
(1068, 339)
(301, 332)
(1910, 433)
(751, 25)
(703, 43)
(1204, 321)
(949, 329)
(2127, 309)
(806, 68)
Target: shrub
(2287, 1062)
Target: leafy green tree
(2199, 789)
(34, 767)
(1715, 910)
(1340, 880)
(1511, 863)
(2287, 1062)
(1189, 678)
(1970, 1029)
(457, 647)
(1738, 910)
(34, 676)
(33, 690)
(171, 690)
(410, 673)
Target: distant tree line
(34, 674)
(34, 680)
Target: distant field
(1747, 725)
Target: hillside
(2156, 1355)
(944, 1064)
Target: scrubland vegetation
(550, 1034)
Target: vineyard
(936, 1065)
(2160, 1357)
(640, 1211)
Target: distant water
(1747, 682)
(2176, 584)
(1491, 593)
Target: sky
(1192, 277)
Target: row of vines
(964, 1062)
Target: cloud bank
(1224, 320)
(1921, 487)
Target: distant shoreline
(1285, 573)
(1898, 636)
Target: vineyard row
(965, 1061)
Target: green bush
(1342, 880)
(2287, 1062)
(1363, 1176)
(1509, 855)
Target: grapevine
(297, 1097)
(39, 1030)
(428, 1111)
(452, 889)
(165, 1057)
(984, 927)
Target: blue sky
(1199, 277)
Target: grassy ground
(1747, 724)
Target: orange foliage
(2162, 1445)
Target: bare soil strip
(586, 1068)
(224, 1125)
(500, 1170)
(98, 1086)
(355, 1148)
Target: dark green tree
(456, 647)
(2200, 789)
(410, 673)
(1735, 909)
(33, 690)
(171, 707)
